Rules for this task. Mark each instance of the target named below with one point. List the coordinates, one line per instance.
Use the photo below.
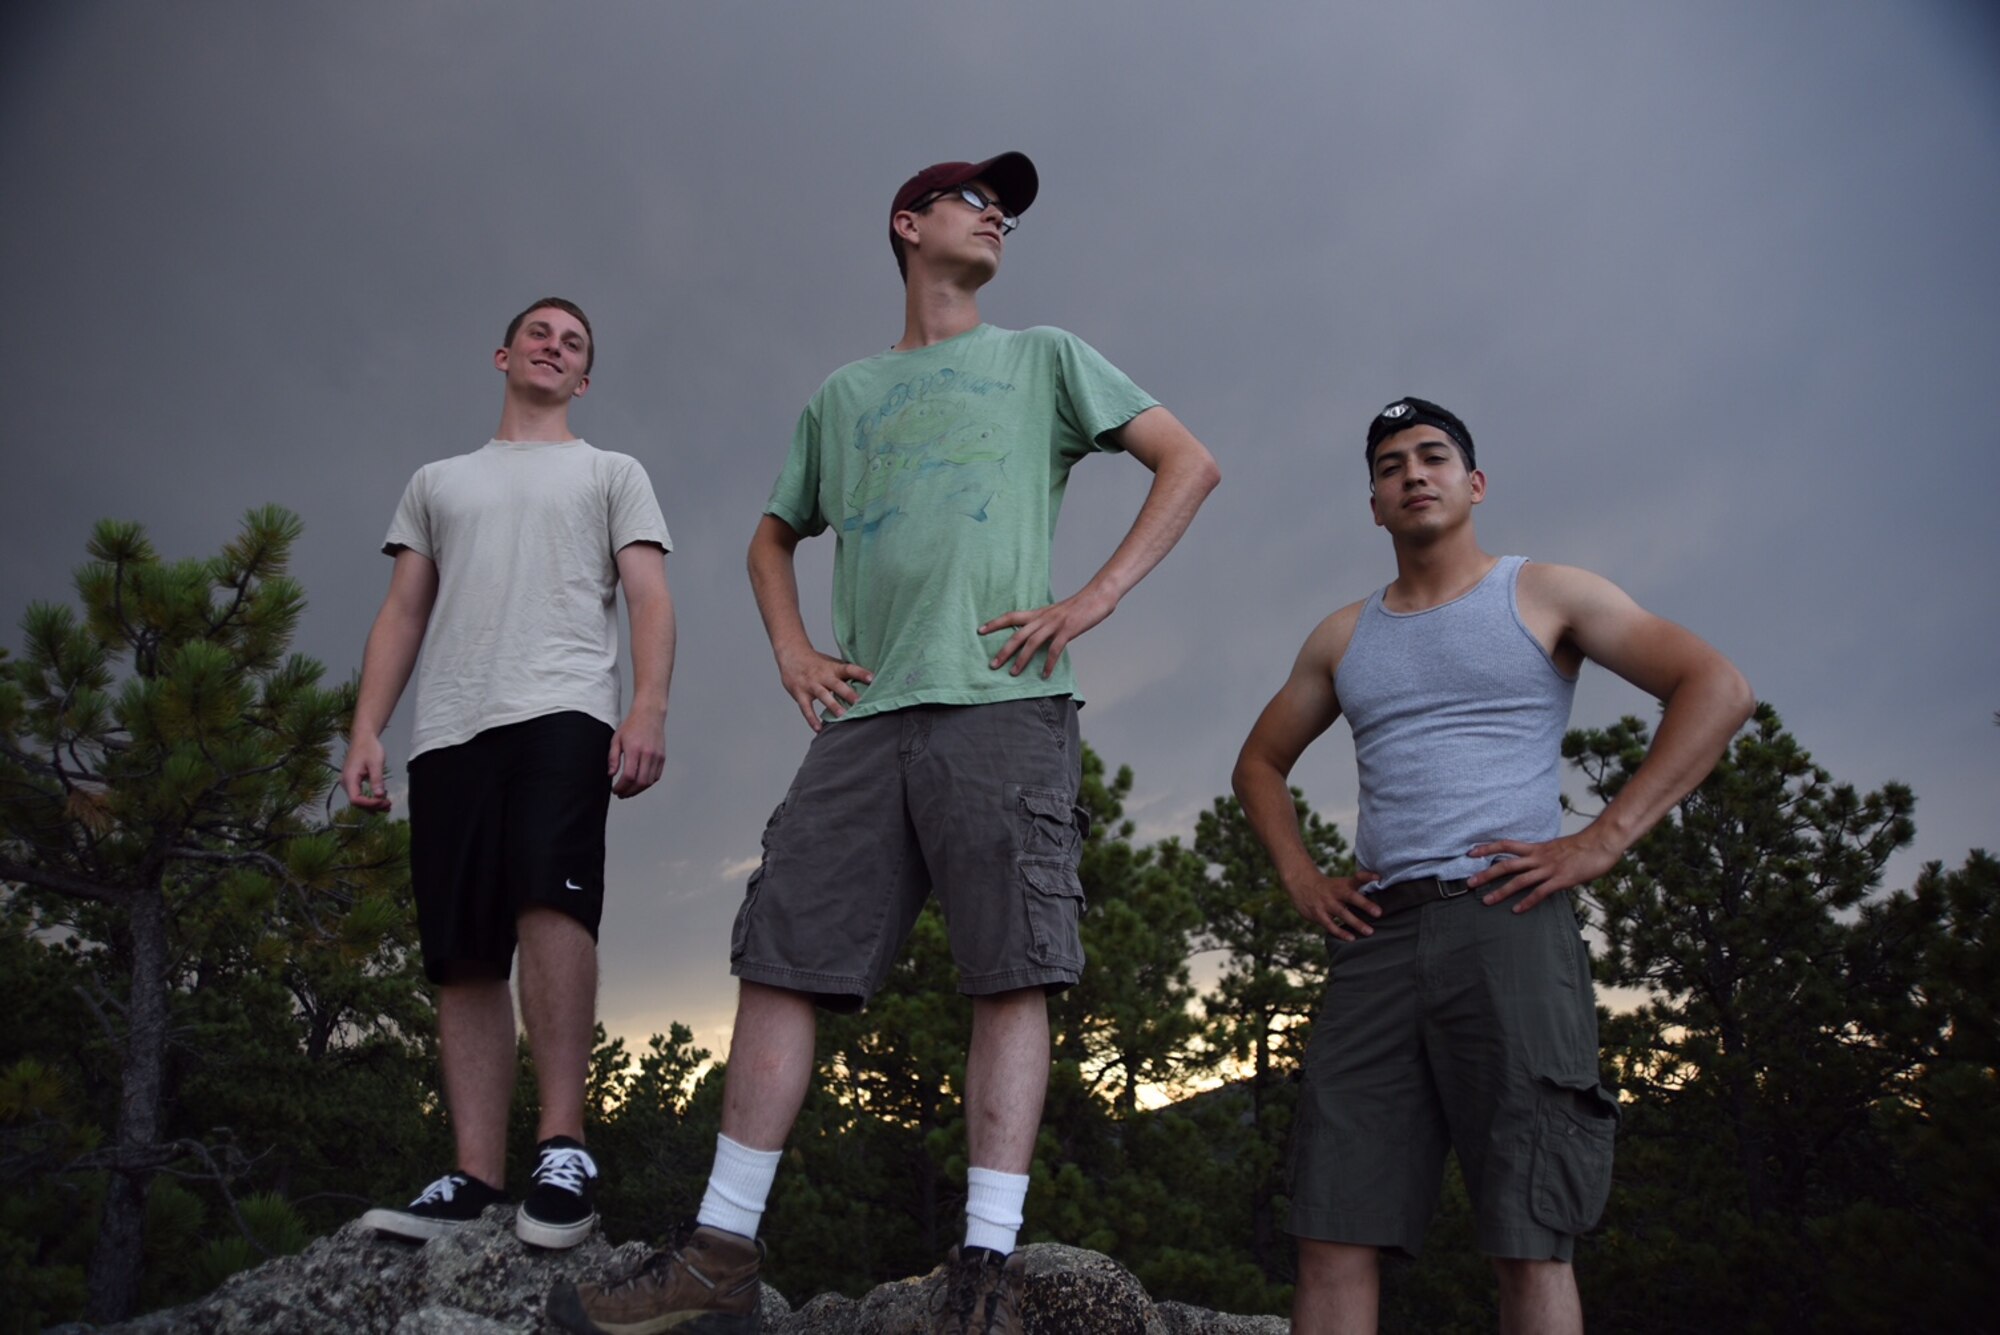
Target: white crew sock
(993, 1204)
(738, 1186)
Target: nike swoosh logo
(571, 885)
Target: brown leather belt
(1416, 893)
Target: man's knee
(754, 1000)
(542, 926)
(1015, 1001)
(1335, 1263)
(471, 993)
(1520, 1275)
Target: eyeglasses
(979, 203)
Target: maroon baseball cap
(1011, 175)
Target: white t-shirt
(525, 536)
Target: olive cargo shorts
(1462, 1026)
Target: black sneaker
(557, 1211)
(452, 1200)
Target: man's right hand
(815, 679)
(364, 774)
(1336, 903)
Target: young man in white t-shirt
(508, 563)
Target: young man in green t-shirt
(946, 757)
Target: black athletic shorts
(510, 820)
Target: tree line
(221, 1043)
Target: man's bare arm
(639, 747)
(1303, 708)
(1706, 701)
(810, 677)
(1184, 472)
(393, 642)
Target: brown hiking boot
(981, 1294)
(702, 1283)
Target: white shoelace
(566, 1167)
(441, 1190)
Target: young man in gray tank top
(1458, 1012)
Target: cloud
(1712, 287)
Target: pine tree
(1755, 1071)
(1128, 1023)
(1270, 987)
(165, 775)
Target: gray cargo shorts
(976, 802)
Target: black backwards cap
(1410, 411)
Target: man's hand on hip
(1337, 904)
(812, 679)
(1540, 869)
(1052, 627)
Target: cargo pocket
(1046, 825)
(1575, 1122)
(739, 931)
(1055, 905)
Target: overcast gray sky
(1713, 284)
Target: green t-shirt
(941, 471)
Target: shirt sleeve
(632, 510)
(411, 526)
(1096, 397)
(795, 495)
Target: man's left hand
(1540, 869)
(1053, 626)
(638, 754)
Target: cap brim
(1012, 177)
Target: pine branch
(247, 858)
(95, 998)
(62, 882)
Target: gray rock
(1070, 1289)
(449, 1321)
(1184, 1320)
(480, 1280)
(1070, 1292)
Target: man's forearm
(1702, 714)
(774, 582)
(653, 633)
(1180, 485)
(1267, 803)
(386, 664)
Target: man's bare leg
(476, 1052)
(770, 1065)
(1339, 1290)
(559, 1008)
(1538, 1298)
(1006, 1077)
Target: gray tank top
(1458, 716)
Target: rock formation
(480, 1280)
